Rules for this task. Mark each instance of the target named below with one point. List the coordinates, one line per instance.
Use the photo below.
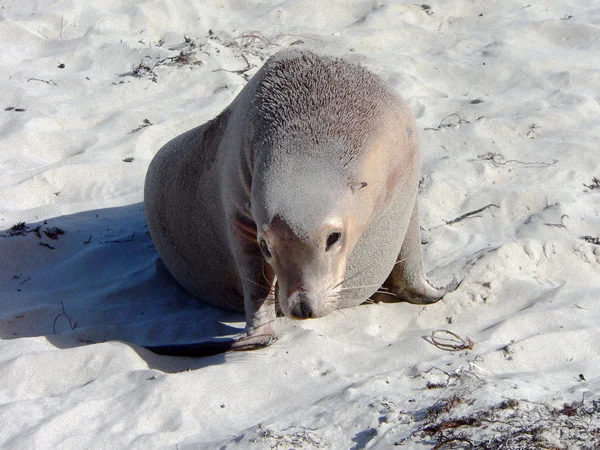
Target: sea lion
(300, 196)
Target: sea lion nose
(301, 308)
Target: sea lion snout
(307, 289)
(310, 265)
(300, 306)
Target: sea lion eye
(333, 239)
(264, 248)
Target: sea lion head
(309, 267)
(309, 215)
(323, 161)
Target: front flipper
(253, 341)
(408, 281)
(259, 305)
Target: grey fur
(312, 146)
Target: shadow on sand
(95, 276)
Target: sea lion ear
(358, 186)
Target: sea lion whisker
(348, 279)
(337, 298)
(269, 319)
(359, 287)
(266, 312)
(400, 260)
(386, 293)
(257, 284)
(271, 283)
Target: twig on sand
(448, 125)
(43, 81)
(509, 425)
(558, 225)
(297, 439)
(145, 123)
(595, 184)
(241, 72)
(591, 239)
(146, 67)
(52, 233)
(453, 441)
(427, 9)
(64, 314)
(470, 214)
(248, 38)
(143, 70)
(450, 344)
(120, 241)
(18, 229)
(498, 160)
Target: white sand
(358, 378)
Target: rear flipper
(408, 281)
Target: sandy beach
(507, 102)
